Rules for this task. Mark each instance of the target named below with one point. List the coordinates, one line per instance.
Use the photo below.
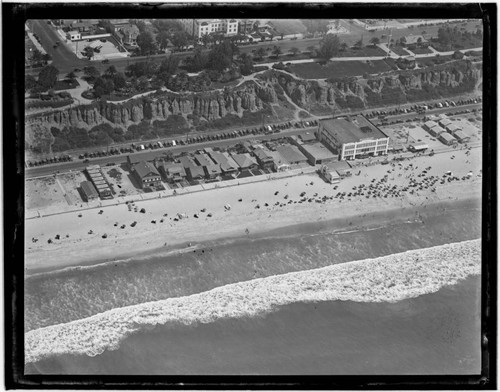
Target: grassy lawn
(429, 61)
(399, 51)
(288, 26)
(66, 84)
(339, 69)
(367, 51)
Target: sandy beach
(81, 238)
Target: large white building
(200, 27)
(353, 138)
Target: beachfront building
(212, 171)
(172, 172)
(316, 153)
(146, 174)
(203, 159)
(453, 128)
(100, 183)
(88, 191)
(195, 172)
(226, 163)
(330, 176)
(264, 158)
(341, 167)
(428, 125)
(245, 161)
(445, 122)
(461, 137)
(200, 27)
(447, 139)
(418, 147)
(279, 162)
(292, 155)
(353, 138)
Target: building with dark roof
(226, 163)
(212, 171)
(195, 172)
(461, 136)
(353, 138)
(245, 161)
(264, 158)
(171, 171)
(89, 191)
(203, 159)
(291, 154)
(307, 137)
(146, 174)
(447, 139)
(279, 162)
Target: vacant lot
(339, 69)
(429, 61)
(42, 193)
(421, 50)
(399, 50)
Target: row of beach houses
(445, 130)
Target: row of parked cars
(46, 161)
(266, 129)
(422, 108)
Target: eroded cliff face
(397, 87)
(318, 97)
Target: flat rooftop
(352, 131)
(318, 151)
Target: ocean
(435, 333)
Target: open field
(339, 69)
(43, 192)
(288, 26)
(421, 50)
(71, 182)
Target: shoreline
(243, 220)
(384, 279)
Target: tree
(343, 47)
(169, 65)
(359, 44)
(29, 82)
(375, 41)
(111, 71)
(329, 46)
(146, 43)
(119, 80)
(261, 52)
(71, 76)
(294, 51)
(47, 77)
(246, 66)
(36, 57)
(141, 25)
(277, 51)
(162, 39)
(107, 25)
(143, 83)
(91, 72)
(88, 52)
(180, 39)
(221, 56)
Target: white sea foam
(389, 278)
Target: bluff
(318, 97)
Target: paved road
(151, 154)
(414, 115)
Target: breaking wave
(385, 279)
